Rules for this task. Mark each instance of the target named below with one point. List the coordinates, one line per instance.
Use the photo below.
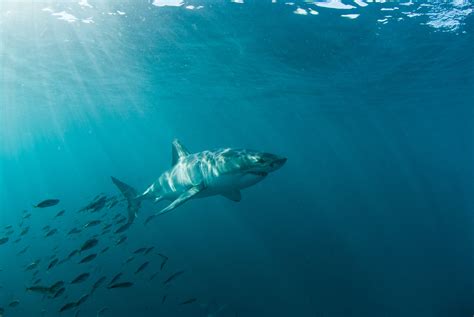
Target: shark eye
(261, 160)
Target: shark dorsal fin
(178, 151)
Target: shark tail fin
(131, 195)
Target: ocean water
(371, 102)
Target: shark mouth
(263, 174)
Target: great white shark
(222, 172)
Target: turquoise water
(370, 216)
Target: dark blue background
(371, 216)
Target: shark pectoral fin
(193, 191)
(150, 218)
(234, 195)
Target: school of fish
(97, 236)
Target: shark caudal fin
(131, 195)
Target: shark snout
(282, 160)
(279, 162)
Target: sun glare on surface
(60, 60)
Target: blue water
(370, 216)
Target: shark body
(208, 173)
